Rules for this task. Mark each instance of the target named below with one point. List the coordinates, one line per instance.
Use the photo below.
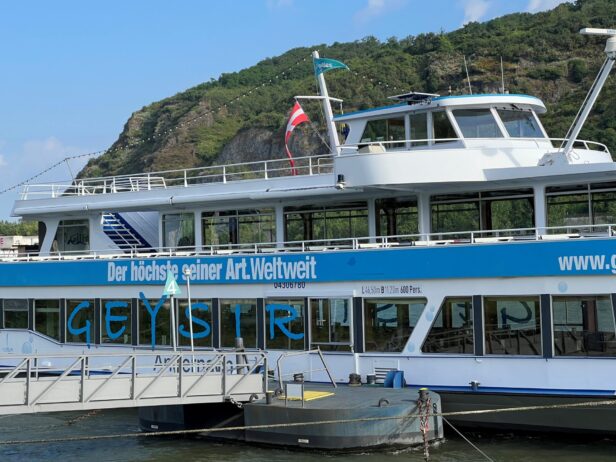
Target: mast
(334, 142)
(578, 123)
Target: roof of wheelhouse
(522, 101)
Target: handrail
(185, 178)
(37, 378)
(494, 236)
(304, 166)
(428, 143)
(301, 353)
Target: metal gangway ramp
(58, 383)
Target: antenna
(582, 115)
(470, 90)
(502, 77)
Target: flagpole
(173, 325)
(327, 108)
(187, 274)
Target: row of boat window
(473, 123)
(580, 325)
(574, 207)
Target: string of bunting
(131, 144)
(187, 123)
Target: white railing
(351, 243)
(432, 143)
(61, 382)
(267, 169)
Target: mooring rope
(610, 402)
(467, 440)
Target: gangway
(59, 383)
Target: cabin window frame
(233, 221)
(538, 316)
(588, 190)
(504, 127)
(68, 223)
(471, 328)
(573, 297)
(4, 311)
(164, 237)
(489, 109)
(330, 346)
(50, 312)
(401, 300)
(229, 303)
(389, 145)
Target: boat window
(238, 318)
(159, 324)
(80, 321)
(385, 131)
(47, 317)
(397, 217)
(326, 223)
(116, 321)
(512, 325)
(330, 323)
(224, 228)
(72, 236)
(15, 313)
(419, 129)
(452, 330)
(284, 325)
(486, 211)
(520, 124)
(577, 207)
(179, 230)
(443, 130)
(477, 123)
(390, 322)
(202, 322)
(584, 326)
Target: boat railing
(375, 147)
(549, 233)
(266, 169)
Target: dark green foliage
(18, 228)
(543, 55)
(577, 70)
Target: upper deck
(439, 143)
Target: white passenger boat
(447, 236)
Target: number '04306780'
(289, 285)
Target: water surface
(502, 447)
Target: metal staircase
(122, 233)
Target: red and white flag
(298, 116)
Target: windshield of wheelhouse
(477, 123)
(520, 123)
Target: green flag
(325, 64)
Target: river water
(502, 447)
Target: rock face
(258, 144)
(241, 117)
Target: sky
(72, 72)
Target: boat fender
(383, 402)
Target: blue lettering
(109, 318)
(153, 313)
(200, 322)
(280, 322)
(237, 312)
(85, 329)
